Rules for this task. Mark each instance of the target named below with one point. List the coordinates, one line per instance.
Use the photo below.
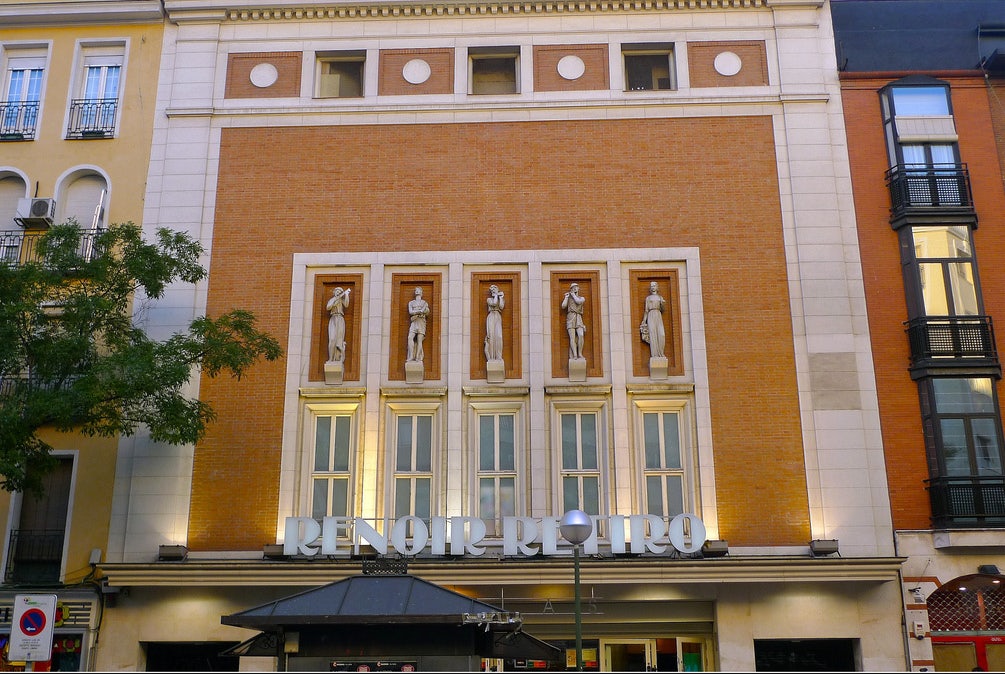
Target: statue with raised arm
(418, 311)
(493, 324)
(336, 324)
(573, 304)
(652, 328)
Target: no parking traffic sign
(31, 627)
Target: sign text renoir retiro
(521, 536)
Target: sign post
(31, 627)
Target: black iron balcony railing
(967, 500)
(939, 186)
(34, 556)
(21, 246)
(18, 119)
(948, 340)
(92, 118)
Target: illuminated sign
(521, 536)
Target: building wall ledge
(968, 538)
(91, 12)
(269, 10)
(232, 572)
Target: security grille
(955, 609)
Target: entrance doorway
(679, 654)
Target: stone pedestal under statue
(658, 368)
(495, 371)
(334, 371)
(577, 369)
(414, 371)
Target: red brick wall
(701, 64)
(441, 72)
(534, 185)
(887, 309)
(287, 65)
(594, 56)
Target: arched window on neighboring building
(83, 196)
(12, 189)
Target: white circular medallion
(571, 67)
(727, 63)
(416, 71)
(264, 75)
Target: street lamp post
(576, 526)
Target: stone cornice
(269, 10)
(78, 12)
(233, 573)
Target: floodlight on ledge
(273, 551)
(172, 553)
(715, 548)
(822, 548)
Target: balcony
(18, 119)
(92, 118)
(940, 342)
(34, 556)
(938, 193)
(21, 246)
(969, 500)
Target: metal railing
(34, 556)
(938, 339)
(18, 120)
(92, 118)
(943, 186)
(967, 500)
(21, 246)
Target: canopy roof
(366, 600)
(382, 600)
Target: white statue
(418, 311)
(336, 324)
(573, 305)
(493, 324)
(652, 322)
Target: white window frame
(23, 62)
(495, 409)
(485, 53)
(14, 514)
(684, 409)
(391, 474)
(103, 54)
(655, 49)
(600, 409)
(312, 412)
(322, 58)
(23, 58)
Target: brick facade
(620, 183)
(753, 64)
(287, 72)
(903, 437)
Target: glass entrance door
(690, 655)
(628, 655)
(680, 654)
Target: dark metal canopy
(365, 600)
(368, 602)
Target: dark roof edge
(897, 74)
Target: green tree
(71, 358)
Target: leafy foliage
(72, 360)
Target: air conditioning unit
(35, 212)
